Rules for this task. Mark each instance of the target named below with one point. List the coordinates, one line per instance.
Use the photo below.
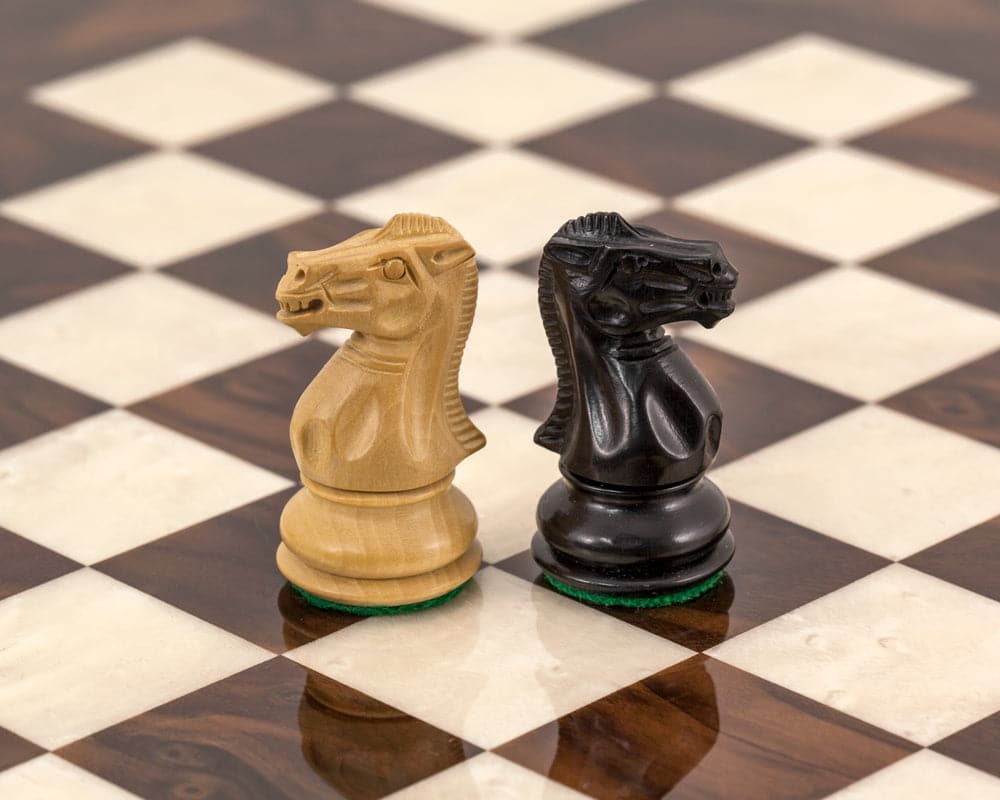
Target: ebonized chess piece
(377, 434)
(633, 521)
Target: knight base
(633, 544)
(379, 549)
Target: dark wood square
(222, 570)
(274, 731)
(763, 266)
(337, 39)
(702, 730)
(778, 567)
(245, 410)
(33, 405)
(966, 400)
(976, 745)
(537, 404)
(665, 146)
(960, 262)
(41, 146)
(15, 750)
(46, 39)
(662, 39)
(35, 267)
(26, 564)
(960, 42)
(249, 270)
(970, 559)
(761, 406)
(336, 149)
(961, 140)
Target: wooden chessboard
(157, 161)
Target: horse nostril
(703, 299)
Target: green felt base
(684, 595)
(375, 611)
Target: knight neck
(377, 352)
(640, 346)
(637, 346)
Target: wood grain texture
(372, 147)
(778, 567)
(379, 431)
(971, 559)
(270, 732)
(26, 564)
(961, 140)
(245, 410)
(338, 40)
(966, 400)
(663, 39)
(762, 406)
(40, 147)
(56, 267)
(976, 745)
(14, 749)
(764, 266)
(959, 262)
(220, 570)
(244, 271)
(699, 729)
(672, 146)
(45, 39)
(33, 405)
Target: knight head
(623, 279)
(381, 282)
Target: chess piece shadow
(652, 733)
(365, 749)
(360, 746)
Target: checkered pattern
(156, 164)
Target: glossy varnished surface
(148, 645)
(292, 733)
(698, 727)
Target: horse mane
(584, 230)
(464, 431)
(407, 226)
(413, 226)
(603, 224)
(552, 433)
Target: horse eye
(632, 263)
(394, 269)
(716, 269)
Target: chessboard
(157, 163)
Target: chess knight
(633, 520)
(379, 431)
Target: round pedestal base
(668, 545)
(378, 549)
(375, 611)
(380, 592)
(624, 584)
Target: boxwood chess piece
(633, 521)
(378, 526)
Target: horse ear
(448, 257)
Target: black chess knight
(633, 521)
